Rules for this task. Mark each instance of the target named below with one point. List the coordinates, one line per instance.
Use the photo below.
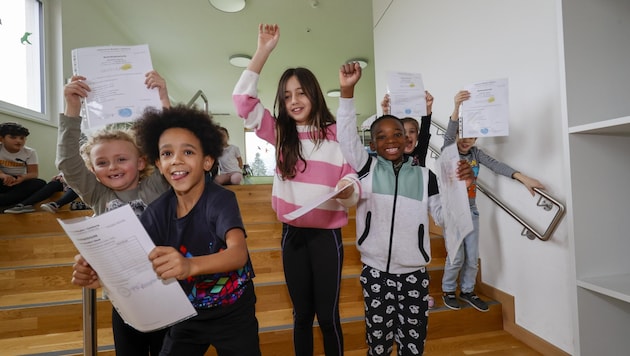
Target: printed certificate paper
(116, 76)
(486, 113)
(117, 246)
(406, 95)
(455, 206)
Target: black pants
(232, 330)
(131, 342)
(312, 260)
(396, 308)
(48, 190)
(12, 195)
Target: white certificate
(116, 77)
(116, 245)
(406, 95)
(454, 197)
(313, 204)
(486, 113)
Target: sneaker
(79, 205)
(51, 207)
(20, 208)
(450, 300)
(472, 299)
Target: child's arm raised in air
(74, 92)
(268, 36)
(154, 80)
(460, 97)
(385, 104)
(529, 182)
(351, 147)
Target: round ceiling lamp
(362, 62)
(335, 93)
(228, 5)
(240, 60)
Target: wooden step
(41, 311)
(37, 223)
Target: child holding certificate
(199, 234)
(109, 171)
(309, 164)
(465, 264)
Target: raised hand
(73, 93)
(349, 75)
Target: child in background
(230, 162)
(465, 263)
(19, 166)
(309, 164)
(108, 171)
(418, 135)
(200, 237)
(56, 184)
(392, 226)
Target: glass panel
(21, 40)
(260, 155)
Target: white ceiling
(191, 42)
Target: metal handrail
(198, 94)
(546, 201)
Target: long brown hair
(288, 148)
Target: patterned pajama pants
(396, 308)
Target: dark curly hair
(153, 123)
(12, 128)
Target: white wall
(454, 43)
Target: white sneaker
(51, 207)
(20, 208)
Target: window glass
(260, 155)
(22, 65)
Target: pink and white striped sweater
(324, 169)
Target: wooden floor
(40, 311)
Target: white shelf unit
(600, 172)
(596, 49)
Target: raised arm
(73, 93)
(268, 36)
(351, 147)
(385, 104)
(460, 97)
(152, 80)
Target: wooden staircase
(41, 311)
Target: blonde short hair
(107, 134)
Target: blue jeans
(466, 261)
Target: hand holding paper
(314, 203)
(117, 247)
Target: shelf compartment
(619, 127)
(616, 286)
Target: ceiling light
(228, 5)
(362, 62)
(240, 60)
(335, 93)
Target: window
(21, 40)
(260, 155)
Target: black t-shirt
(201, 232)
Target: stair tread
(36, 270)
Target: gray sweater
(84, 183)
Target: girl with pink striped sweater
(309, 163)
